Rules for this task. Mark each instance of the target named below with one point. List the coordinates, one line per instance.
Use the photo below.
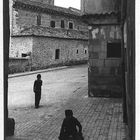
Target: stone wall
(41, 52)
(45, 20)
(77, 24)
(70, 51)
(17, 65)
(22, 19)
(19, 45)
(104, 71)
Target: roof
(52, 32)
(110, 18)
(38, 6)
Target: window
(24, 55)
(114, 50)
(52, 24)
(70, 25)
(77, 51)
(62, 24)
(85, 51)
(38, 20)
(57, 53)
(78, 28)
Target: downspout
(123, 76)
(123, 64)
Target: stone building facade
(105, 61)
(47, 34)
(105, 76)
(112, 21)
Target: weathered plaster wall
(104, 72)
(19, 45)
(100, 6)
(44, 51)
(42, 48)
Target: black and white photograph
(69, 70)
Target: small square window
(114, 50)
(52, 24)
(70, 25)
(24, 55)
(62, 24)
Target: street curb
(38, 71)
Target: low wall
(67, 63)
(17, 65)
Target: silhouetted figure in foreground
(37, 90)
(69, 129)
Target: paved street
(58, 86)
(101, 118)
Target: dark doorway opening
(57, 53)
(52, 24)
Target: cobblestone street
(101, 118)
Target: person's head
(68, 113)
(39, 76)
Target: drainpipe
(123, 75)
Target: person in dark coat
(37, 90)
(69, 127)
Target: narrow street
(101, 118)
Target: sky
(68, 3)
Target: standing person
(37, 90)
(69, 127)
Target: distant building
(47, 34)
